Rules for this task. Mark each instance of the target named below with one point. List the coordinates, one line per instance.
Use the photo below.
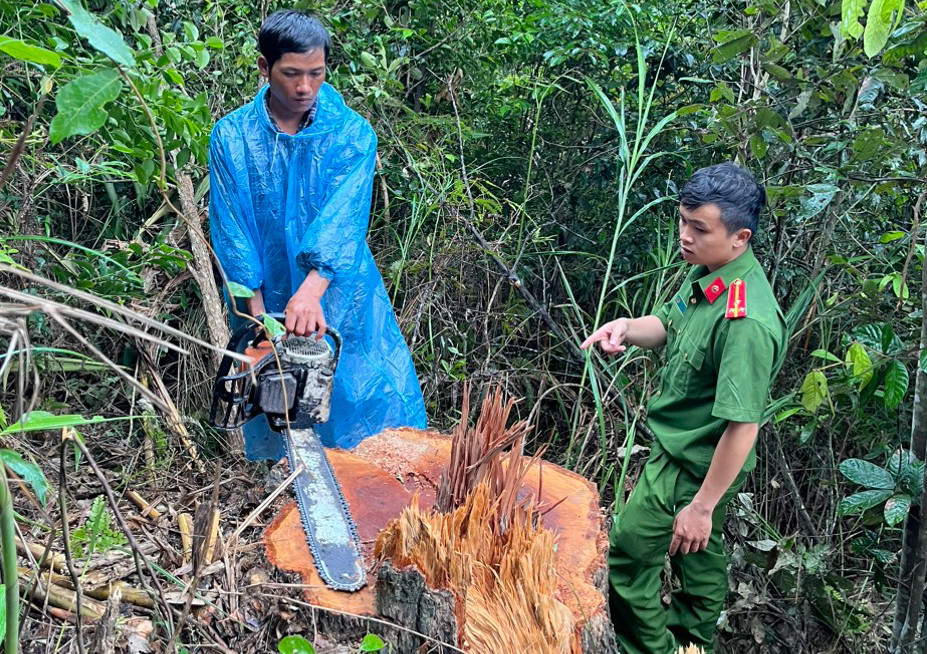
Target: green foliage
(579, 121)
(80, 104)
(894, 486)
(43, 420)
(372, 643)
(2, 611)
(30, 472)
(732, 43)
(814, 391)
(237, 290)
(19, 49)
(295, 645)
(867, 474)
(101, 37)
(851, 12)
(96, 534)
(884, 16)
(272, 326)
(896, 384)
(859, 363)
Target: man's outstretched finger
(594, 337)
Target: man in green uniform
(725, 338)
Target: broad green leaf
(888, 237)
(731, 44)
(372, 643)
(722, 90)
(850, 12)
(896, 384)
(862, 501)
(29, 52)
(273, 327)
(814, 390)
(824, 354)
(821, 196)
(295, 645)
(867, 474)
(29, 471)
(912, 478)
(758, 146)
(238, 290)
(922, 360)
(883, 17)
(101, 37)
(42, 420)
(859, 363)
(784, 415)
(214, 42)
(896, 509)
(899, 462)
(777, 72)
(368, 59)
(80, 104)
(801, 103)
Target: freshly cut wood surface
(379, 479)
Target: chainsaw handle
(240, 341)
(331, 332)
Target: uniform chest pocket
(689, 374)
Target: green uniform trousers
(639, 542)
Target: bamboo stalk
(185, 524)
(209, 551)
(147, 509)
(61, 597)
(130, 594)
(54, 561)
(8, 547)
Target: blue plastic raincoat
(281, 206)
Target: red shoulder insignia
(715, 289)
(737, 300)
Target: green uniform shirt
(717, 369)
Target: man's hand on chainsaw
(304, 313)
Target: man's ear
(742, 237)
(263, 67)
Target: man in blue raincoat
(291, 176)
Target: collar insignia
(715, 289)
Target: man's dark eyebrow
(694, 221)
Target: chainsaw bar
(330, 529)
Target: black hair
(291, 30)
(736, 192)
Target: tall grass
(633, 160)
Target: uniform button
(692, 300)
(669, 324)
(714, 288)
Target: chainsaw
(291, 397)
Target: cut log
(380, 478)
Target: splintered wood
(486, 545)
(563, 563)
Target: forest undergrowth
(529, 159)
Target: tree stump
(379, 479)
